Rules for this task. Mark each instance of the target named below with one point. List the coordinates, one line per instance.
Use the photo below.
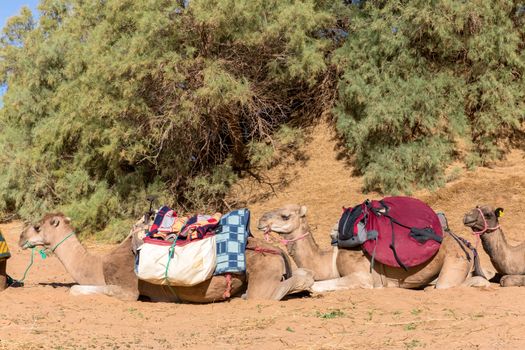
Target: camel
(339, 269)
(508, 260)
(114, 274)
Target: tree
(109, 100)
(428, 82)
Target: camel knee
(295, 284)
(512, 281)
(301, 280)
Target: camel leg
(476, 281)
(512, 281)
(453, 272)
(352, 281)
(3, 274)
(110, 290)
(301, 280)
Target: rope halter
(485, 225)
(267, 237)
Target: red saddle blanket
(396, 231)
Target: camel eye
(285, 217)
(37, 228)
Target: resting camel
(338, 269)
(114, 275)
(508, 260)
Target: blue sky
(10, 8)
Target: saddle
(396, 231)
(185, 251)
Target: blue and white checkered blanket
(231, 236)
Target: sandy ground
(42, 315)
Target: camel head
(49, 231)
(284, 220)
(483, 218)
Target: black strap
(287, 266)
(477, 265)
(424, 234)
(372, 261)
(393, 246)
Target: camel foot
(512, 281)
(352, 281)
(111, 290)
(476, 281)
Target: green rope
(62, 241)
(43, 255)
(170, 254)
(20, 283)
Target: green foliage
(270, 152)
(426, 82)
(110, 100)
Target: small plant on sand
(416, 312)
(332, 314)
(414, 343)
(410, 327)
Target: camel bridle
(486, 227)
(267, 237)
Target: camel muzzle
(469, 220)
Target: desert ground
(42, 314)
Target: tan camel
(113, 274)
(508, 260)
(346, 269)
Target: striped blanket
(4, 249)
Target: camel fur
(337, 269)
(113, 274)
(508, 260)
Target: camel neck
(307, 254)
(81, 265)
(507, 259)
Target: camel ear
(303, 211)
(55, 222)
(498, 212)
